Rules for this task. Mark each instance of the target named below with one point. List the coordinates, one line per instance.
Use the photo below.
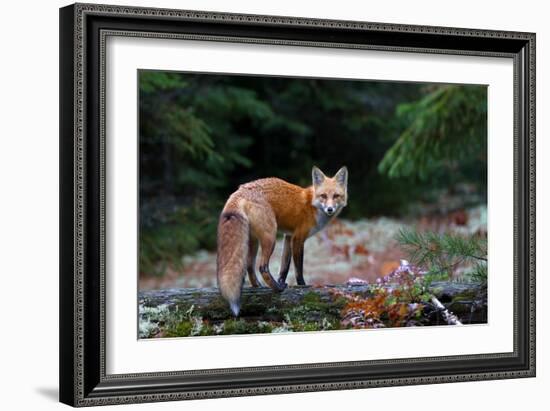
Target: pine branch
(443, 253)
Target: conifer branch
(442, 253)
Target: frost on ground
(149, 318)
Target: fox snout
(329, 209)
(328, 206)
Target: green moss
(240, 326)
(460, 308)
(276, 300)
(311, 297)
(218, 309)
(255, 306)
(265, 327)
(311, 327)
(339, 303)
(469, 295)
(313, 306)
(207, 329)
(314, 313)
(259, 314)
(182, 329)
(461, 303)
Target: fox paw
(282, 283)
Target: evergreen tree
(447, 128)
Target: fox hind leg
(251, 262)
(264, 226)
(267, 250)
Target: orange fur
(253, 214)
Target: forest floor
(363, 249)
(357, 277)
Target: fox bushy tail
(233, 237)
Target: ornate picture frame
(84, 29)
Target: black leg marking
(285, 260)
(268, 278)
(298, 256)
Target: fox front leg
(298, 257)
(285, 260)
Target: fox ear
(317, 176)
(341, 176)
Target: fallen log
(263, 303)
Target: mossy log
(463, 299)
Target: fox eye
(335, 196)
(323, 196)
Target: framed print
(262, 204)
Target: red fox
(253, 214)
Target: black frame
(83, 30)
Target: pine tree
(445, 129)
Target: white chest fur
(322, 220)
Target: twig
(449, 316)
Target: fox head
(330, 194)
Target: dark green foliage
(447, 128)
(201, 135)
(479, 272)
(175, 230)
(442, 254)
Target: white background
(29, 210)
